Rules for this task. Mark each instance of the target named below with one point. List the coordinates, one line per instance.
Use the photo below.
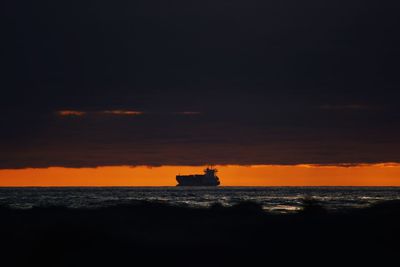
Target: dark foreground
(148, 234)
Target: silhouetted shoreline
(155, 234)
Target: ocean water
(276, 199)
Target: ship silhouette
(209, 178)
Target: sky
(142, 83)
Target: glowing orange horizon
(387, 174)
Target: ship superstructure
(209, 178)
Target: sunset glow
(259, 175)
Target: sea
(273, 199)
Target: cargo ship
(209, 178)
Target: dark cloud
(188, 113)
(344, 107)
(271, 82)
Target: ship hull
(192, 184)
(197, 180)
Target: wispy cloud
(71, 113)
(120, 112)
(80, 113)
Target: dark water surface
(279, 199)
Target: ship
(209, 178)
